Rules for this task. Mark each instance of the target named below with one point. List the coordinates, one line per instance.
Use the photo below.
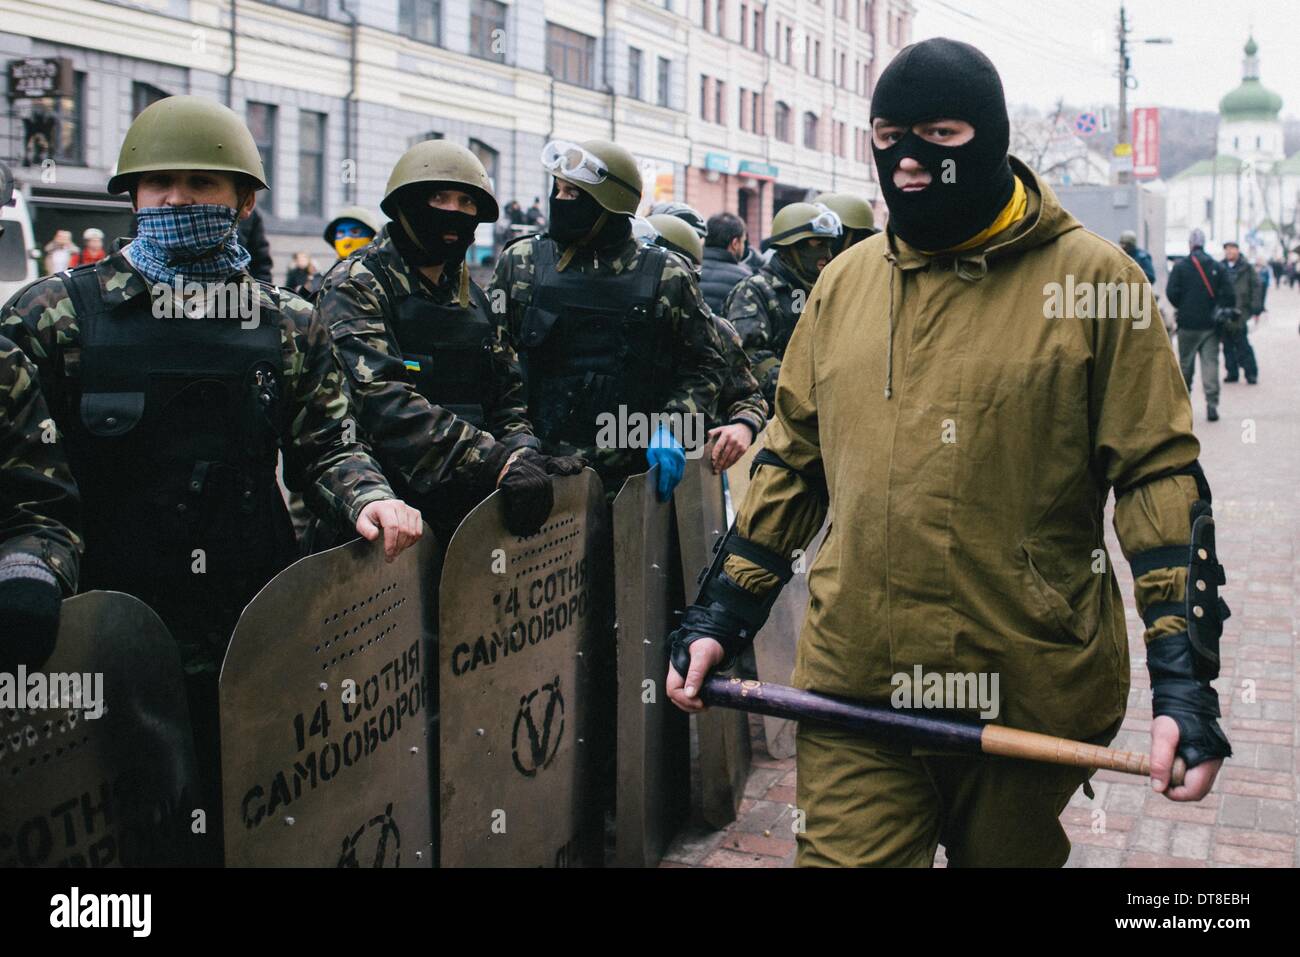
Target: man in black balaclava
(968, 388)
(439, 387)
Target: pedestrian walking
(1198, 287)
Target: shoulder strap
(651, 273)
(82, 284)
(1197, 263)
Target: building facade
(732, 105)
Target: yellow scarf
(1012, 213)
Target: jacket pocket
(1050, 605)
(536, 326)
(110, 414)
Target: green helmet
(600, 168)
(362, 215)
(186, 132)
(441, 161)
(677, 235)
(686, 214)
(803, 221)
(854, 211)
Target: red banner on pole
(1146, 142)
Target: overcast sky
(1050, 48)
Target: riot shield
(774, 646)
(722, 733)
(653, 734)
(324, 713)
(96, 756)
(520, 643)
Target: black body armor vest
(447, 349)
(173, 429)
(593, 343)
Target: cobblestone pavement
(1252, 459)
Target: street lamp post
(1127, 82)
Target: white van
(18, 253)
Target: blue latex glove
(667, 453)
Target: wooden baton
(909, 727)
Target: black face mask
(429, 224)
(572, 220)
(944, 79)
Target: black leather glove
(526, 488)
(564, 464)
(29, 620)
(1184, 694)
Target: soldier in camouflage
(39, 517)
(742, 409)
(436, 382)
(765, 307)
(605, 323)
(174, 427)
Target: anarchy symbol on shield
(544, 745)
(387, 828)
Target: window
(704, 97)
(760, 40)
(420, 20)
(720, 18)
(843, 74)
(810, 130)
(665, 80)
(864, 15)
(789, 44)
(487, 30)
(570, 55)
(52, 127)
(634, 73)
(706, 14)
(817, 58)
(143, 95)
(719, 102)
(781, 122)
(487, 156)
(756, 112)
(306, 6)
(744, 24)
(841, 140)
(261, 123)
(842, 9)
(311, 163)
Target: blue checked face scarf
(198, 243)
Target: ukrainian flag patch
(411, 365)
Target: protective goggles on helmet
(572, 162)
(826, 223)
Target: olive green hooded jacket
(966, 445)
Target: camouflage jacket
(323, 459)
(420, 442)
(699, 368)
(742, 399)
(764, 309)
(39, 503)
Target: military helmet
(677, 235)
(686, 214)
(362, 215)
(600, 168)
(854, 211)
(186, 132)
(441, 161)
(803, 221)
